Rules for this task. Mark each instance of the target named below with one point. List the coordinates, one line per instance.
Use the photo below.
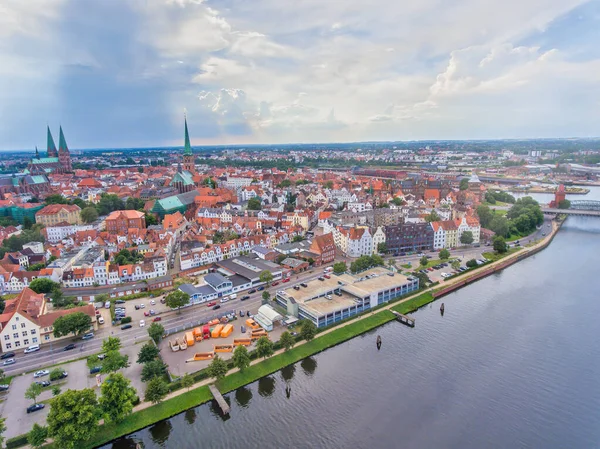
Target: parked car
(35, 408)
(142, 306)
(163, 300)
(327, 276)
(142, 323)
(247, 313)
(88, 336)
(4, 387)
(126, 326)
(43, 383)
(101, 356)
(7, 355)
(241, 313)
(9, 362)
(245, 297)
(62, 375)
(100, 320)
(157, 319)
(286, 280)
(321, 278)
(120, 301)
(252, 290)
(216, 307)
(95, 369)
(152, 302)
(152, 312)
(274, 284)
(261, 288)
(137, 307)
(146, 313)
(33, 348)
(69, 347)
(41, 373)
(211, 304)
(304, 284)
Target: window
(7, 337)
(16, 335)
(33, 331)
(34, 340)
(17, 344)
(46, 337)
(14, 327)
(23, 325)
(8, 345)
(26, 342)
(24, 333)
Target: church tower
(64, 157)
(188, 156)
(51, 147)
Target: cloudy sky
(121, 72)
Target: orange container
(189, 338)
(242, 341)
(227, 330)
(223, 348)
(216, 332)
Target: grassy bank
(493, 256)
(413, 304)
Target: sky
(121, 73)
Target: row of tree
(521, 219)
(365, 262)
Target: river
(513, 363)
(545, 198)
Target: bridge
(584, 208)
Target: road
(52, 353)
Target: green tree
(217, 368)
(114, 361)
(187, 381)
(2, 430)
(241, 358)
(37, 436)
(117, 398)
(444, 254)
(564, 204)
(56, 374)
(287, 340)
(109, 203)
(55, 198)
(464, 184)
(76, 323)
(297, 238)
(308, 330)
(254, 204)
(156, 390)
(73, 418)
(340, 267)
(33, 392)
(266, 296)
(150, 219)
(2, 306)
(43, 285)
(328, 185)
(27, 223)
(382, 248)
(472, 263)
(264, 347)
(285, 183)
(56, 390)
(499, 225)
(499, 244)
(177, 299)
(89, 214)
(153, 369)
(111, 344)
(156, 331)
(265, 276)
(424, 261)
(433, 216)
(36, 266)
(397, 201)
(423, 279)
(466, 238)
(455, 264)
(485, 215)
(147, 353)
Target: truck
(198, 334)
(205, 332)
(216, 332)
(189, 338)
(182, 343)
(252, 324)
(227, 330)
(174, 345)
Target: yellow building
(54, 214)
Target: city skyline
(119, 74)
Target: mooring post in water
(288, 391)
(378, 342)
(442, 309)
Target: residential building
(54, 214)
(324, 246)
(409, 237)
(122, 221)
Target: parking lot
(444, 269)
(145, 306)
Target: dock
(404, 319)
(220, 399)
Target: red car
(210, 304)
(326, 276)
(286, 280)
(157, 318)
(146, 313)
(274, 284)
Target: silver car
(41, 373)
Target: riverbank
(146, 414)
(550, 190)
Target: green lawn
(431, 263)
(493, 256)
(413, 304)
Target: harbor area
(204, 342)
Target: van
(225, 299)
(233, 296)
(107, 305)
(33, 348)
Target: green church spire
(188, 148)
(37, 153)
(62, 143)
(51, 147)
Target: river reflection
(243, 396)
(160, 432)
(288, 372)
(190, 416)
(309, 365)
(266, 386)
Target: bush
(126, 320)
(18, 441)
(471, 263)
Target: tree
(150, 219)
(328, 185)
(382, 248)
(55, 198)
(466, 238)
(265, 276)
(455, 264)
(43, 285)
(36, 266)
(156, 331)
(114, 361)
(564, 204)
(340, 267)
(433, 216)
(56, 390)
(485, 215)
(241, 358)
(264, 347)
(499, 225)
(254, 204)
(444, 254)
(56, 374)
(111, 344)
(308, 330)
(109, 203)
(153, 369)
(37, 436)
(89, 214)
(297, 238)
(156, 390)
(73, 418)
(464, 184)
(147, 353)
(2, 306)
(117, 398)
(76, 323)
(500, 245)
(397, 201)
(424, 261)
(423, 279)
(472, 263)
(187, 381)
(33, 392)
(177, 299)
(2, 430)
(27, 223)
(287, 340)
(217, 368)
(266, 296)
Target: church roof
(45, 160)
(184, 177)
(188, 148)
(62, 143)
(50, 147)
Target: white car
(142, 306)
(142, 323)
(152, 302)
(41, 373)
(100, 320)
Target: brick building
(120, 221)
(408, 237)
